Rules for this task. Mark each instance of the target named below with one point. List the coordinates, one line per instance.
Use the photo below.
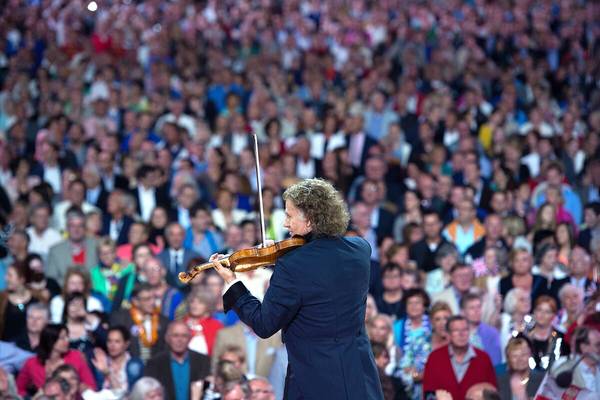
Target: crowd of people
(464, 136)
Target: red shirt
(79, 258)
(33, 372)
(439, 373)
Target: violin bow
(259, 188)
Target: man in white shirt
(41, 236)
(186, 198)
(75, 196)
(146, 192)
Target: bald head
(178, 338)
(480, 391)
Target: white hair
(569, 288)
(143, 386)
(510, 301)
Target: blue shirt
(181, 378)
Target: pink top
(33, 372)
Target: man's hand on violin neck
(227, 274)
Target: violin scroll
(186, 277)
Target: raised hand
(100, 361)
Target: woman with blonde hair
(380, 330)
(519, 381)
(439, 314)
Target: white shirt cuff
(230, 284)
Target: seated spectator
(586, 340)
(201, 236)
(147, 388)
(390, 301)
(482, 391)
(139, 233)
(77, 280)
(178, 368)
(115, 222)
(438, 278)
(466, 229)
(515, 318)
(371, 309)
(234, 390)
(140, 253)
(202, 325)
(580, 266)
(260, 389)
(439, 314)
(225, 213)
(14, 302)
(411, 213)
(55, 388)
(382, 359)
(67, 373)
(175, 257)
(591, 225)
(214, 283)
(37, 319)
(263, 350)
(461, 281)
(17, 245)
(42, 287)
(565, 240)
(144, 321)
(571, 299)
(166, 298)
(380, 330)
(8, 389)
(547, 266)
(547, 343)
(41, 235)
(424, 252)
(519, 381)
(481, 335)
(521, 276)
(413, 336)
(457, 366)
(158, 224)
(117, 370)
(85, 330)
(110, 278)
(492, 238)
(53, 352)
(76, 250)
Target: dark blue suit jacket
(123, 233)
(317, 295)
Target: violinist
(317, 296)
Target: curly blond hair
(321, 204)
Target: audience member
(180, 367)
(519, 381)
(53, 351)
(457, 366)
(75, 250)
(144, 321)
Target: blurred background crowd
(464, 135)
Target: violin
(248, 259)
